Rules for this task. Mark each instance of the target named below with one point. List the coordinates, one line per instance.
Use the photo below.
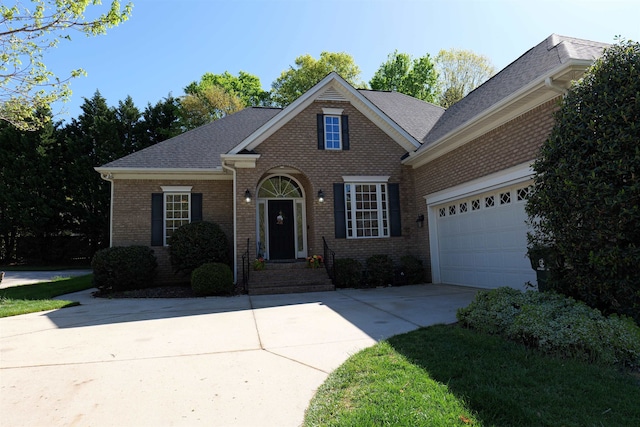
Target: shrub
(585, 203)
(412, 269)
(556, 325)
(348, 273)
(123, 268)
(197, 243)
(213, 278)
(379, 270)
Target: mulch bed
(157, 292)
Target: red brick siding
(132, 213)
(516, 142)
(295, 145)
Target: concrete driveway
(239, 361)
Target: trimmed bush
(556, 325)
(379, 270)
(213, 278)
(348, 273)
(197, 243)
(123, 268)
(412, 269)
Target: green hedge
(556, 325)
(348, 273)
(197, 243)
(212, 279)
(122, 268)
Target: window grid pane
(367, 210)
(177, 213)
(332, 132)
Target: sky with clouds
(169, 43)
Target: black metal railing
(246, 267)
(329, 257)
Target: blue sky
(169, 43)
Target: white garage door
(482, 240)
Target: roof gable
(331, 88)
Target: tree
(295, 81)
(460, 71)
(212, 103)
(246, 86)
(160, 121)
(28, 31)
(32, 198)
(417, 77)
(585, 203)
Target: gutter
(548, 82)
(109, 177)
(235, 222)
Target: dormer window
(333, 130)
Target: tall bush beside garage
(197, 243)
(585, 204)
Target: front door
(281, 229)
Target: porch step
(290, 277)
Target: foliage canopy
(413, 77)
(460, 71)
(293, 82)
(26, 33)
(586, 198)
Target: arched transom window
(281, 187)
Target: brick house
(366, 172)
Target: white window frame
(381, 209)
(337, 114)
(174, 191)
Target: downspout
(109, 177)
(548, 82)
(235, 231)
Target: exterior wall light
(247, 196)
(420, 221)
(321, 196)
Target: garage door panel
(485, 247)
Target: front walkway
(241, 361)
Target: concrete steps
(288, 277)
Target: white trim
(359, 101)
(373, 179)
(176, 188)
(513, 175)
(452, 140)
(504, 178)
(332, 111)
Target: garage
(481, 239)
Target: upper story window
(332, 133)
(333, 130)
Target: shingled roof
(537, 62)
(413, 115)
(201, 147)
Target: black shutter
(339, 213)
(320, 119)
(394, 210)
(196, 207)
(157, 207)
(345, 132)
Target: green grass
(448, 376)
(38, 297)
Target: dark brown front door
(281, 230)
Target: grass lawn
(448, 376)
(38, 297)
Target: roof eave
(112, 173)
(564, 74)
